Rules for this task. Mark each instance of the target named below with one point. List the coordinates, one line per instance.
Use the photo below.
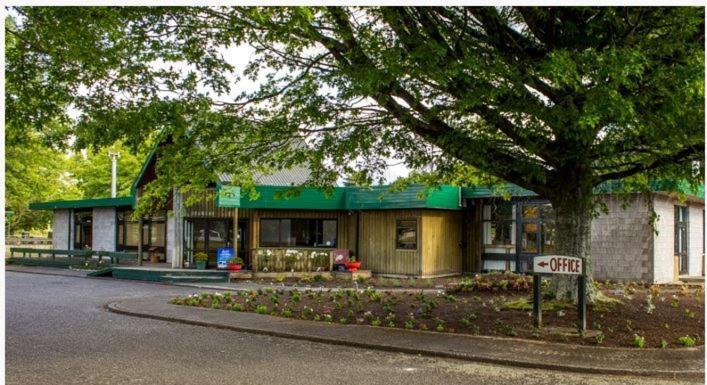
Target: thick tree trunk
(573, 221)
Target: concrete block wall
(170, 238)
(104, 229)
(664, 254)
(664, 240)
(60, 230)
(696, 238)
(622, 241)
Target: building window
(499, 228)
(299, 232)
(83, 229)
(154, 233)
(681, 238)
(406, 234)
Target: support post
(177, 230)
(582, 304)
(139, 243)
(537, 304)
(235, 232)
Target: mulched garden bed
(635, 315)
(378, 282)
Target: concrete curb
(528, 354)
(202, 286)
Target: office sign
(557, 264)
(228, 196)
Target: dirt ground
(657, 315)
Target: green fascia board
(660, 185)
(83, 203)
(273, 197)
(484, 191)
(150, 156)
(607, 187)
(353, 198)
(415, 196)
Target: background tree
(92, 170)
(556, 100)
(34, 172)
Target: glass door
(681, 250)
(207, 236)
(218, 237)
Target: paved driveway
(57, 332)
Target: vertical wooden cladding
(344, 223)
(471, 258)
(377, 241)
(206, 207)
(441, 242)
(438, 242)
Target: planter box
(296, 274)
(241, 274)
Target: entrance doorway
(210, 234)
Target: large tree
(556, 100)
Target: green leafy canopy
(556, 100)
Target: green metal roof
(83, 203)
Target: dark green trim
(415, 196)
(150, 156)
(608, 187)
(83, 203)
(272, 197)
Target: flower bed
(291, 260)
(495, 282)
(492, 282)
(639, 317)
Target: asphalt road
(58, 332)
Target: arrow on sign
(542, 264)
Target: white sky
(239, 56)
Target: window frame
(684, 224)
(78, 239)
(417, 233)
(121, 229)
(318, 232)
(521, 258)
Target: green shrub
(261, 309)
(687, 341)
(638, 341)
(306, 279)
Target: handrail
(113, 255)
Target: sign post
(230, 197)
(559, 264)
(537, 308)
